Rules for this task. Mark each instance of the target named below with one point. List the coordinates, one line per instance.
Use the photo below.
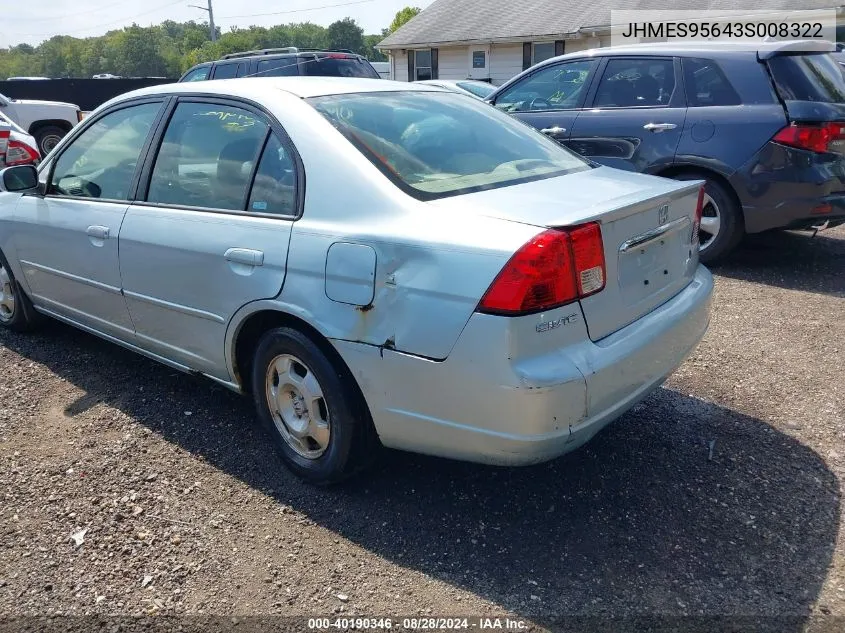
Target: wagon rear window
(435, 144)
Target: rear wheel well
(251, 331)
(674, 172)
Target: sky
(34, 22)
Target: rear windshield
(478, 89)
(339, 66)
(435, 144)
(814, 77)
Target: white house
(493, 40)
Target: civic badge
(662, 215)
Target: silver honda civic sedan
(376, 263)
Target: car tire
(48, 137)
(16, 311)
(721, 204)
(311, 408)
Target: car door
(222, 189)
(635, 115)
(550, 97)
(67, 240)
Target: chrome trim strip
(82, 280)
(652, 235)
(202, 314)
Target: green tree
(402, 16)
(370, 50)
(346, 34)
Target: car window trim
(274, 127)
(89, 122)
(581, 101)
(673, 100)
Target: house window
(423, 65)
(543, 51)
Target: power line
(120, 21)
(327, 6)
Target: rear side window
(279, 67)
(629, 83)
(274, 190)
(197, 74)
(207, 157)
(814, 77)
(226, 71)
(338, 66)
(707, 85)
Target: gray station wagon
(764, 127)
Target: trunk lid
(646, 224)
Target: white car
(47, 121)
(471, 87)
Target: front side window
(422, 64)
(434, 144)
(707, 85)
(629, 83)
(556, 87)
(207, 156)
(197, 74)
(101, 161)
(279, 67)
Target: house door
(479, 62)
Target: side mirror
(20, 178)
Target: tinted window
(629, 83)
(808, 78)
(279, 67)
(478, 89)
(274, 190)
(226, 71)
(543, 51)
(339, 66)
(436, 144)
(707, 85)
(100, 162)
(554, 87)
(197, 74)
(207, 156)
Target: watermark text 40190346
(728, 26)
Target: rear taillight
(699, 211)
(4, 142)
(822, 138)
(556, 267)
(21, 154)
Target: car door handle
(553, 131)
(659, 127)
(98, 232)
(245, 256)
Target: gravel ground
(130, 489)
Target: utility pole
(210, 11)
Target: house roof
(452, 21)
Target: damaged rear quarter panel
(431, 272)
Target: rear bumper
(496, 403)
(783, 187)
